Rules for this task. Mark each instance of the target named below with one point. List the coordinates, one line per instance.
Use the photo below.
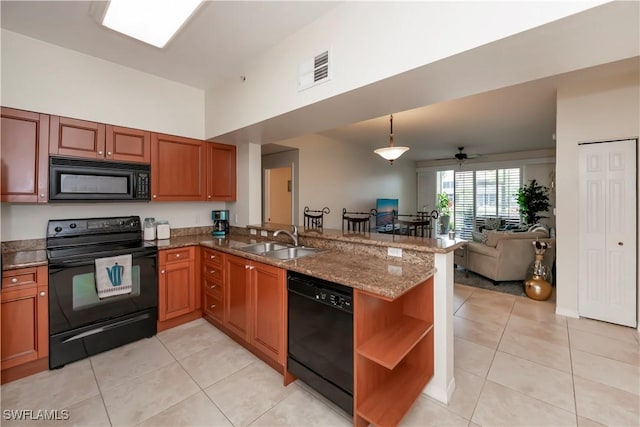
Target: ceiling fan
(461, 156)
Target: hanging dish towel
(113, 276)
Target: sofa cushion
(496, 236)
(482, 249)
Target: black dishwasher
(321, 337)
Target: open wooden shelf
(391, 401)
(389, 346)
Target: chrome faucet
(294, 235)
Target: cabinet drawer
(212, 271)
(213, 306)
(212, 257)
(173, 255)
(213, 287)
(21, 277)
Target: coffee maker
(220, 222)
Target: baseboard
(24, 370)
(566, 312)
(439, 393)
(176, 321)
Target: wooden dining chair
(357, 221)
(314, 219)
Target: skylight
(152, 21)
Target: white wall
(369, 41)
(41, 77)
(29, 221)
(341, 175)
(596, 110)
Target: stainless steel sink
(292, 253)
(264, 247)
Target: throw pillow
(492, 223)
(480, 236)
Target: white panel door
(607, 232)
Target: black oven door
(74, 302)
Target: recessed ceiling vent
(314, 71)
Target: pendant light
(391, 152)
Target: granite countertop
(441, 244)
(24, 259)
(386, 278)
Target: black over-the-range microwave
(79, 180)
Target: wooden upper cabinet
(77, 138)
(25, 161)
(178, 168)
(221, 172)
(128, 145)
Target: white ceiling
(224, 36)
(213, 46)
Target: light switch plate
(397, 252)
(253, 231)
(264, 233)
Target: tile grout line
(195, 382)
(104, 404)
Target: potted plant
(443, 208)
(533, 198)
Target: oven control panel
(76, 227)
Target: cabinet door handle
(209, 196)
(212, 287)
(212, 272)
(42, 293)
(620, 244)
(42, 196)
(155, 196)
(108, 153)
(212, 256)
(177, 255)
(213, 306)
(14, 280)
(100, 152)
(161, 271)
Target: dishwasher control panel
(332, 298)
(321, 291)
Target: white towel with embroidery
(113, 276)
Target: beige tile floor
(516, 363)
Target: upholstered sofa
(504, 256)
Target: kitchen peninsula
(371, 267)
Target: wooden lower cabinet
(267, 310)
(393, 359)
(24, 322)
(178, 291)
(255, 306)
(237, 298)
